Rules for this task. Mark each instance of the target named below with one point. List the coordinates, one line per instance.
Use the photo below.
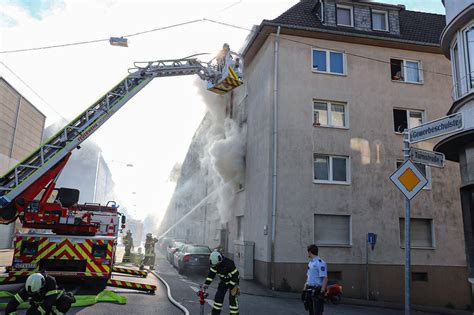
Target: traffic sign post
(431, 158)
(371, 239)
(410, 180)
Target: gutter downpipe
(275, 153)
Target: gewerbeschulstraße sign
(437, 128)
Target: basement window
(419, 276)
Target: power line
(32, 90)
(99, 40)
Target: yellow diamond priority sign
(408, 179)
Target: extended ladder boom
(56, 149)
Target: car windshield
(199, 250)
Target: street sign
(430, 158)
(372, 239)
(408, 179)
(437, 128)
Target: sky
(153, 131)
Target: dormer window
(344, 15)
(379, 20)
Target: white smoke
(223, 153)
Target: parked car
(164, 243)
(192, 258)
(172, 249)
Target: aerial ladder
(84, 237)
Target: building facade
(21, 131)
(457, 42)
(344, 79)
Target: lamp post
(99, 156)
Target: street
(254, 299)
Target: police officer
(229, 276)
(316, 282)
(44, 296)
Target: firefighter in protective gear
(44, 296)
(128, 243)
(229, 276)
(149, 259)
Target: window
(405, 118)
(331, 169)
(332, 230)
(344, 16)
(328, 61)
(470, 55)
(419, 276)
(424, 169)
(421, 231)
(329, 114)
(240, 235)
(406, 71)
(456, 70)
(379, 20)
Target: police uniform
(50, 300)
(229, 276)
(317, 271)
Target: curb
(397, 306)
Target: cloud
(37, 9)
(7, 21)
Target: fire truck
(65, 238)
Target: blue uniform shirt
(317, 270)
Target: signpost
(410, 180)
(437, 128)
(431, 158)
(371, 239)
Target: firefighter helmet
(35, 283)
(215, 258)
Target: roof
(418, 28)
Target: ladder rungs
(28, 166)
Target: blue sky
(433, 6)
(36, 8)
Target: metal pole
(406, 156)
(367, 267)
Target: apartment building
(21, 130)
(343, 79)
(329, 87)
(457, 42)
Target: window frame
(329, 114)
(429, 185)
(404, 69)
(328, 61)
(456, 68)
(334, 245)
(408, 110)
(330, 170)
(385, 13)
(432, 230)
(347, 7)
(467, 63)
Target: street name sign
(437, 128)
(430, 158)
(408, 179)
